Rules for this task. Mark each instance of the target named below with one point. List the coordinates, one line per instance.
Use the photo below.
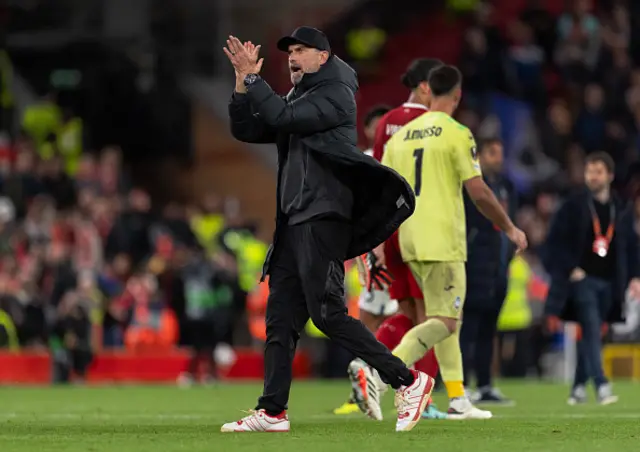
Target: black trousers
(306, 279)
(476, 343)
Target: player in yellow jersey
(438, 156)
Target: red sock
(428, 364)
(393, 329)
(390, 334)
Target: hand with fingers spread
(372, 274)
(243, 57)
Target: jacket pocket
(333, 290)
(267, 260)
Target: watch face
(249, 79)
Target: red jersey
(392, 122)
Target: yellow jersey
(436, 154)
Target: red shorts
(404, 284)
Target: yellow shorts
(444, 287)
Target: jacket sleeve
(246, 125)
(555, 257)
(320, 110)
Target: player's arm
(466, 161)
(487, 203)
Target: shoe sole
(426, 396)
(510, 403)
(463, 417)
(361, 384)
(608, 401)
(231, 430)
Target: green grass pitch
(163, 418)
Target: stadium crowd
(87, 260)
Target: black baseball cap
(308, 36)
(418, 71)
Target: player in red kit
(403, 288)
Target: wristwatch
(250, 79)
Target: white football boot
(366, 385)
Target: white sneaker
(258, 421)
(412, 400)
(578, 396)
(366, 388)
(606, 395)
(461, 408)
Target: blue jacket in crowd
(489, 251)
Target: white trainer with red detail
(412, 400)
(259, 421)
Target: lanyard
(597, 229)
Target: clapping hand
(243, 57)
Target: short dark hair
(375, 112)
(485, 142)
(418, 71)
(443, 80)
(604, 158)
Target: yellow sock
(419, 340)
(450, 361)
(455, 389)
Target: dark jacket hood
(334, 70)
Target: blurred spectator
(111, 282)
(7, 226)
(206, 291)
(526, 64)
(111, 176)
(87, 173)
(538, 17)
(42, 119)
(72, 333)
(578, 42)
(6, 92)
(207, 222)
(22, 184)
(364, 46)
(480, 75)
(69, 141)
(462, 6)
(514, 322)
(485, 20)
(174, 219)
(130, 232)
(591, 122)
(57, 184)
(150, 325)
(556, 131)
